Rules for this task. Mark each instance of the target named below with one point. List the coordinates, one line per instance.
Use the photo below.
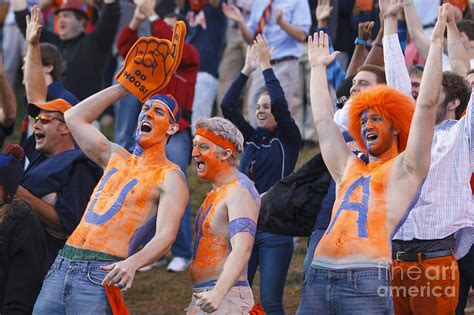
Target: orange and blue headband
(170, 102)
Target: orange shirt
(358, 235)
(122, 210)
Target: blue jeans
(313, 243)
(358, 291)
(73, 287)
(273, 253)
(178, 150)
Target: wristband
(153, 18)
(363, 42)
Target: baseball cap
(74, 5)
(11, 170)
(57, 105)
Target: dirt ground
(159, 292)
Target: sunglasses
(46, 119)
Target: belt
(404, 256)
(279, 60)
(211, 283)
(74, 253)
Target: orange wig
(393, 105)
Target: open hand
(264, 53)
(390, 8)
(251, 60)
(33, 26)
(120, 274)
(450, 14)
(440, 26)
(365, 30)
(323, 10)
(278, 16)
(208, 301)
(147, 7)
(232, 12)
(318, 50)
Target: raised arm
(290, 132)
(335, 152)
(458, 56)
(296, 32)
(20, 8)
(104, 33)
(233, 13)
(415, 29)
(8, 103)
(375, 56)
(35, 83)
(395, 67)
(417, 157)
(361, 50)
(241, 205)
(174, 196)
(128, 35)
(79, 118)
(229, 102)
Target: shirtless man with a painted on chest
(352, 260)
(225, 224)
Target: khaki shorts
(239, 300)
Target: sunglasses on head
(46, 119)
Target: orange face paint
(207, 157)
(358, 232)
(375, 125)
(154, 115)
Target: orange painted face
(207, 157)
(153, 124)
(376, 132)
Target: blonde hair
(225, 129)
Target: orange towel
(117, 305)
(257, 310)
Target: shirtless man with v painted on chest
(225, 225)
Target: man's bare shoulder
(173, 179)
(246, 186)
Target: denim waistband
(74, 253)
(211, 283)
(379, 272)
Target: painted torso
(211, 227)
(123, 208)
(359, 233)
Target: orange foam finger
(151, 62)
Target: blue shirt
(268, 155)
(209, 41)
(295, 12)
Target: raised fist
(151, 62)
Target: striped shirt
(445, 205)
